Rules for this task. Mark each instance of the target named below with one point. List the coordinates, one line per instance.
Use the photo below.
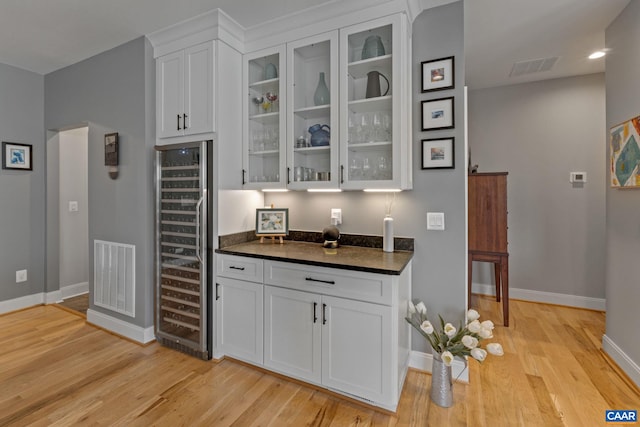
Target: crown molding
(321, 18)
(212, 25)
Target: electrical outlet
(336, 216)
(21, 276)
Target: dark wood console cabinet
(488, 230)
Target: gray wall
(22, 193)
(74, 229)
(539, 133)
(623, 232)
(439, 262)
(114, 92)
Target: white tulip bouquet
(450, 341)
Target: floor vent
(533, 66)
(114, 276)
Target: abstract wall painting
(625, 154)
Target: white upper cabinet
(312, 120)
(345, 119)
(185, 91)
(264, 99)
(375, 127)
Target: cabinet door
(264, 101)
(356, 348)
(199, 84)
(292, 333)
(312, 112)
(375, 105)
(170, 94)
(239, 319)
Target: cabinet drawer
(237, 267)
(351, 284)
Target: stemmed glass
(271, 97)
(257, 100)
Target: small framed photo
(438, 153)
(16, 156)
(438, 114)
(438, 74)
(272, 222)
(111, 149)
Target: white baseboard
(546, 297)
(30, 301)
(423, 361)
(630, 367)
(120, 327)
(74, 290)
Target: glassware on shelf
(365, 134)
(321, 95)
(366, 169)
(386, 125)
(257, 100)
(272, 98)
(266, 105)
(377, 127)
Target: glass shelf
(370, 146)
(265, 84)
(382, 64)
(370, 105)
(315, 112)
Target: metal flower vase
(441, 382)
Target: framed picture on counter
(16, 156)
(272, 222)
(437, 153)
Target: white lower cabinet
(343, 330)
(339, 343)
(292, 333)
(356, 348)
(239, 319)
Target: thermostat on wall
(578, 177)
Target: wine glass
(272, 97)
(257, 100)
(265, 105)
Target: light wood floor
(57, 370)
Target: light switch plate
(435, 221)
(73, 206)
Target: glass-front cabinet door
(264, 119)
(312, 105)
(375, 120)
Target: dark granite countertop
(357, 258)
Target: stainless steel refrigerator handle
(198, 228)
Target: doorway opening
(73, 214)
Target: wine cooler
(183, 248)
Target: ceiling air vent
(533, 66)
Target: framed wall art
(438, 114)
(272, 222)
(438, 74)
(438, 153)
(624, 146)
(16, 156)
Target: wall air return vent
(533, 66)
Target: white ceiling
(46, 35)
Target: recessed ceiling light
(597, 54)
